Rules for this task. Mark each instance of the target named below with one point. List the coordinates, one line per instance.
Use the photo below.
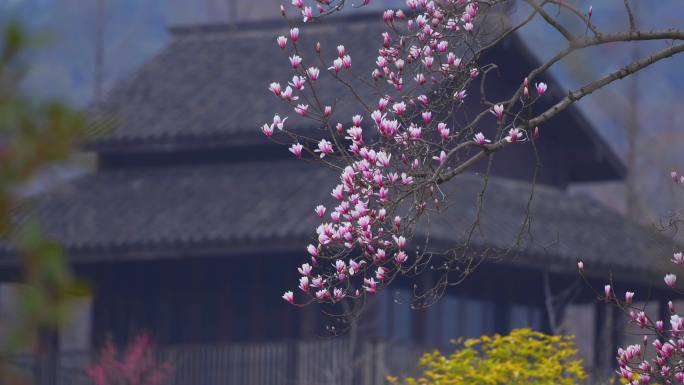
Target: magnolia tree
(396, 152)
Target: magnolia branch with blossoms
(659, 358)
(394, 153)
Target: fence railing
(336, 361)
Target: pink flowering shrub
(398, 149)
(136, 366)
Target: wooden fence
(326, 362)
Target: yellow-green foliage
(524, 357)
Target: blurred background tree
(33, 135)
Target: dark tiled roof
(256, 207)
(208, 87)
(211, 84)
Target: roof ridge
(264, 24)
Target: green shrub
(524, 357)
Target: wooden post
(46, 365)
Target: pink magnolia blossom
(414, 132)
(427, 116)
(356, 120)
(677, 323)
(305, 270)
(322, 295)
(441, 158)
(628, 297)
(295, 61)
(382, 103)
(302, 109)
(294, 34)
(267, 129)
(279, 122)
(416, 163)
(405, 179)
(296, 150)
(304, 284)
(370, 285)
(480, 139)
(607, 290)
(541, 88)
(678, 258)
(453, 60)
(324, 147)
(400, 257)
(443, 130)
(287, 95)
(338, 294)
(320, 211)
(514, 135)
(670, 280)
(355, 266)
(460, 95)
(381, 61)
(346, 62)
(498, 111)
(312, 72)
(311, 249)
(388, 15)
(338, 192)
(380, 273)
(400, 241)
(355, 134)
(282, 41)
(340, 266)
(386, 40)
(298, 82)
(275, 88)
(307, 14)
(388, 127)
(337, 65)
(399, 108)
(289, 297)
(318, 282)
(428, 62)
(383, 159)
(377, 116)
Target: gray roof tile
(213, 84)
(269, 205)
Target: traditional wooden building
(193, 225)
